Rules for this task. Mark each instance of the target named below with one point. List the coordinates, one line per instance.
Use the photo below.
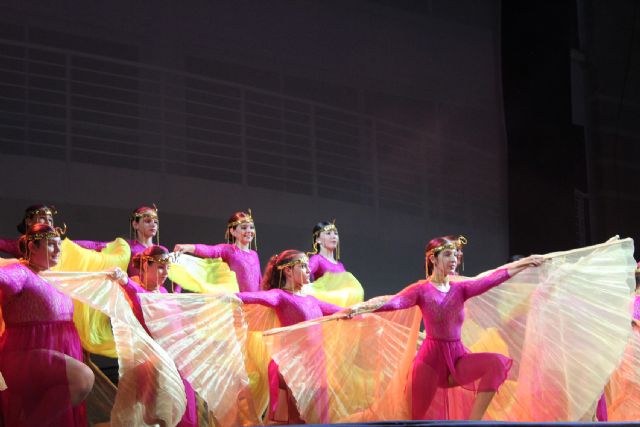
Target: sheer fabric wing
(205, 335)
(623, 391)
(565, 324)
(205, 276)
(150, 389)
(341, 289)
(94, 327)
(348, 371)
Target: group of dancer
(311, 349)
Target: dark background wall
(571, 73)
(385, 115)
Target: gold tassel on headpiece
(47, 210)
(136, 216)
(247, 218)
(326, 228)
(458, 244)
(57, 232)
(301, 260)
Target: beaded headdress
(56, 232)
(329, 227)
(300, 260)
(247, 218)
(151, 213)
(45, 210)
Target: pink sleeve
(207, 251)
(11, 247)
(474, 288)
(12, 280)
(406, 298)
(91, 245)
(314, 265)
(328, 308)
(268, 299)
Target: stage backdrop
(385, 115)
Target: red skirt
(34, 368)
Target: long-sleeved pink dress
(39, 332)
(442, 361)
(245, 264)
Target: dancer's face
(41, 218)
(46, 254)
(155, 274)
(328, 239)
(244, 233)
(298, 274)
(147, 226)
(446, 262)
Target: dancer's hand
(119, 276)
(185, 249)
(530, 261)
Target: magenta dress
(39, 332)
(319, 265)
(290, 309)
(245, 264)
(132, 289)
(442, 354)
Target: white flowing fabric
(150, 389)
(205, 335)
(565, 324)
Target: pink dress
(319, 265)
(290, 309)
(132, 289)
(39, 331)
(245, 264)
(442, 354)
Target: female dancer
(283, 279)
(144, 226)
(237, 253)
(153, 264)
(442, 360)
(331, 281)
(34, 214)
(40, 351)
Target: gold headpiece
(47, 210)
(160, 258)
(316, 234)
(457, 245)
(302, 260)
(56, 232)
(327, 228)
(146, 214)
(247, 218)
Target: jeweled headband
(160, 258)
(47, 210)
(327, 228)
(245, 219)
(146, 214)
(457, 245)
(302, 260)
(56, 232)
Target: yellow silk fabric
(341, 289)
(205, 276)
(93, 325)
